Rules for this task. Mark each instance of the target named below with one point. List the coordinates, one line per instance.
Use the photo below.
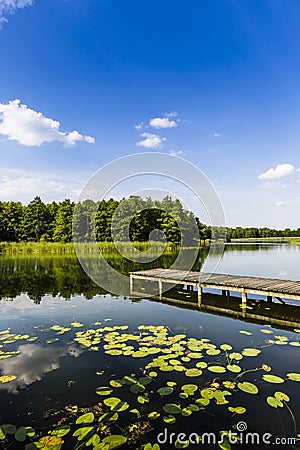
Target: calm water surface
(46, 302)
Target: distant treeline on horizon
(53, 222)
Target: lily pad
(143, 399)
(273, 379)
(169, 419)
(237, 409)
(163, 391)
(104, 390)
(115, 441)
(193, 372)
(247, 387)
(293, 376)
(171, 408)
(7, 378)
(216, 369)
(274, 402)
(233, 368)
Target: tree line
(52, 222)
(67, 220)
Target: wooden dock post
(199, 295)
(244, 299)
(160, 288)
(131, 284)
(224, 292)
(269, 298)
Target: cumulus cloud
(28, 127)
(11, 6)
(139, 126)
(162, 122)
(32, 363)
(151, 140)
(175, 152)
(217, 135)
(280, 203)
(23, 186)
(281, 170)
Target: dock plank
(223, 281)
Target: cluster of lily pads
(205, 375)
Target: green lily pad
(151, 447)
(237, 409)
(216, 369)
(163, 391)
(282, 396)
(82, 432)
(235, 355)
(273, 379)
(154, 415)
(169, 419)
(171, 408)
(193, 372)
(182, 444)
(226, 347)
(201, 365)
(274, 402)
(293, 376)
(143, 399)
(189, 389)
(22, 433)
(61, 431)
(233, 368)
(86, 418)
(104, 390)
(116, 383)
(247, 387)
(251, 352)
(114, 441)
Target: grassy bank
(11, 248)
(292, 240)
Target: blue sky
(221, 79)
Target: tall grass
(68, 248)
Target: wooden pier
(268, 287)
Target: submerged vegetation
(178, 376)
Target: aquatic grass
(108, 248)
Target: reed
(68, 248)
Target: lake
(86, 369)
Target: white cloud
(11, 6)
(139, 126)
(175, 152)
(162, 122)
(280, 203)
(298, 170)
(24, 186)
(281, 170)
(28, 127)
(32, 363)
(217, 135)
(151, 140)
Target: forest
(52, 222)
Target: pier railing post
(199, 295)
(244, 299)
(160, 288)
(131, 284)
